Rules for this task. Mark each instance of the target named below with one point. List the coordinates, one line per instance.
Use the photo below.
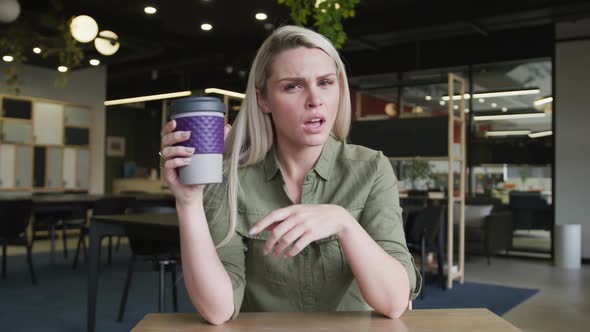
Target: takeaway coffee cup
(204, 118)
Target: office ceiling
(168, 51)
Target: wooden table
(436, 320)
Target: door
(7, 159)
(24, 166)
(69, 168)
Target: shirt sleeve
(233, 254)
(382, 219)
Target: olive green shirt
(319, 278)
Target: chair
(488, 226)
(15, 216)
(164, 253)
(425, 233)
(530, 210)
(104, 206)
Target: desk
(102, 226)
(440, 320)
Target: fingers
(271, 218)
(289, 238)
(300, 244)
(168, 128)
(176, 162)
(277, 233)
(226, 130)
(174, 138)
(170, 152)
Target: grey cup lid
(196, 104)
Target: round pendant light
(107, 42)
(9, 10)
(83, 28)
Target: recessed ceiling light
(494, 105)
(7, 58)
(206, 27)
(150, 10)
(37, 50)
(428, 97)
(504, 109)
(94, 62)
(455, 107)
(62, 69)
(261, 16)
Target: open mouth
(315, 123)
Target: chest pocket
(270, 268)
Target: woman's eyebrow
(298, 79)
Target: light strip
(495, 94)
(541, 134)
(147, 98)
(507, 133)
(225, 93)
(543, 101)
(508, 116)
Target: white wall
(572, 128)
(85, 86)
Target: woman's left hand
(299, 225)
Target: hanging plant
(327, 16)
(20, 38)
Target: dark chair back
(14, 217)
(428, 223)
(112, 205)
(142, 240)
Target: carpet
(58, 302)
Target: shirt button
(305, 251)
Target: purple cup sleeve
(206, 133)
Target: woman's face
(302, 94)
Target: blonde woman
(303, 221)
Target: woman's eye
(326, 82)
(291, 86)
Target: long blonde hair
(251, 136)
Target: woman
(304, 221)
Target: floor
(562, 304)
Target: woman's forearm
(382, 279)
(207, 282)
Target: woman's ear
(262, 102)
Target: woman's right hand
(179, 156)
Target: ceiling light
(504, 109)
(107, 42)
(8, 58)
(225, 92)
(507, 133)
(84, 28)
(147, 98)
(494, 105)
(541, 134)
(37, 50)
(543, 101)
(467, 110)
(62, 69)
(94, 62)
(508, 116)
(455, 107)
(428, 98)
(481, 100)
(206, 27)
(150, 10)
(261, 16)
(492, 94)
(442, 103)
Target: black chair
(425, 233)
(163, 253)
(15, 216)
(530, 210)
(104, 206)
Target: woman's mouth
(314, 126)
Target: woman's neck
(296, 162)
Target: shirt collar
(323, 166)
